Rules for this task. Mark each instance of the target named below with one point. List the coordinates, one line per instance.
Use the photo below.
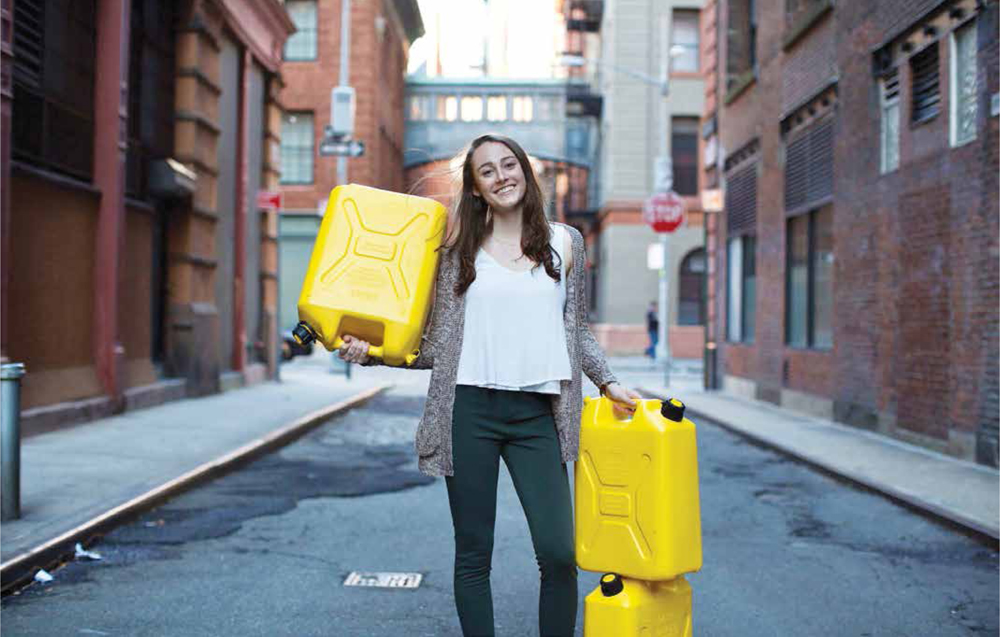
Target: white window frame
(968, 27)
(734, 290)
(885, 104)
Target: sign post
(664, 211)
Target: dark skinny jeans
(518, 426)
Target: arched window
(692, 284)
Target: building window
(546, 108)
(447, 108)
(151, 90)
(889, 98)
(809, 280)
(963, 84)
(496, 108)
(53, 78)
(691, 306)
(741, 42)
(926, 93)
(523, 107)
(420, 108)
(472, 109)
(741, 298)
(297, 148)
(301, 45)
(684, 36)
(684, 154)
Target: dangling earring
(489, 215)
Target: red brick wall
(916, 275)
(377, 73)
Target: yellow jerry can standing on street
(623, 607)
(372, 272)
(637, 506)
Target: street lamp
(664, 178)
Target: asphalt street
(265, 551)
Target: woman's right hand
(354, 350)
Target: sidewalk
(964, 493)
(77, 482)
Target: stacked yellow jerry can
(638, 518)
(372, 271)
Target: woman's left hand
(624, 399)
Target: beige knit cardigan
(441, 347)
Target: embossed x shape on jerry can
(637, 505)
(372, 272)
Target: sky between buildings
(515, 38)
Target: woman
(507, 340)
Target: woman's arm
(595, 364)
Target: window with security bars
(963, 84)
(684, 154)
(809, 166)
(889, 131)
(297, 148)
(151, 91)
(691, 306)
(926, 92)
(809, 280)
(301, 45)
(741, 41)
(53, 81)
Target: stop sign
(664, 211)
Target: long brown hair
(471, 228)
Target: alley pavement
(79, 482)
(964, 493)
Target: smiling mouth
(505, 190)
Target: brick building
(854, 270)
(381, 32)
(136, 267)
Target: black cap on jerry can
(303, 333)
(673, 409)
(611, 585)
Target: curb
(902, 497)
(19, 570)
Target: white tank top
(514, 337)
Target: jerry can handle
(606, 409)
(373, 350)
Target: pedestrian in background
(507, 341)
(653, 328)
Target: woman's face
(498, 177)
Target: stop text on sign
(664, 211)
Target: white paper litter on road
(43, 576)
(83, 553)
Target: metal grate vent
(741, 201)
(926, 96)
(809, 166)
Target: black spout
(303, 334)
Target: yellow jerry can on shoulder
(372, 272)
(625, 607)
(637, 504)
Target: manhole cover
(384, 580)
